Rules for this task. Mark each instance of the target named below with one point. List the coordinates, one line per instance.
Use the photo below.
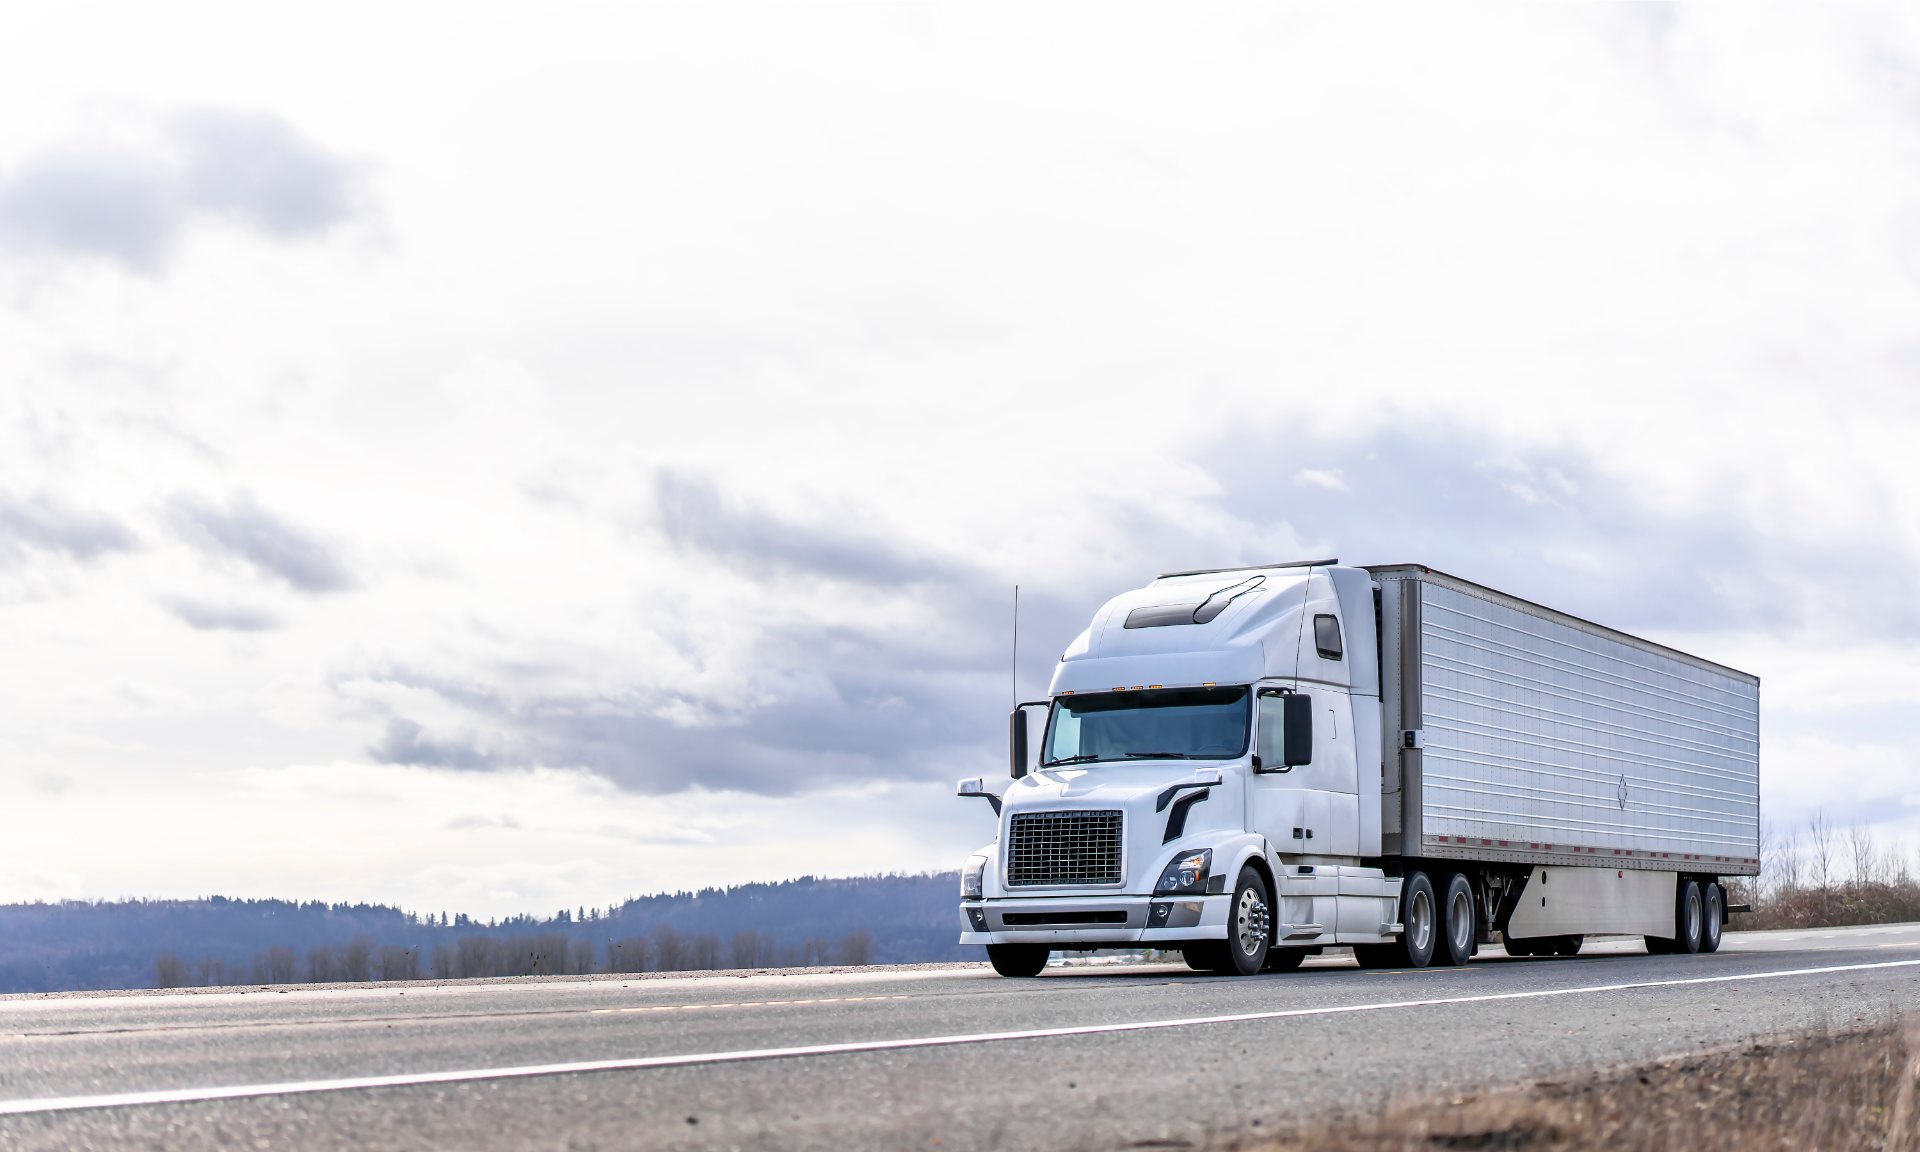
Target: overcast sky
(498, 461)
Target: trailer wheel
(1523, 947)
(1018, 959)
(1689, 919)
(1716, 916)
(1568, 945)
(1457, 928)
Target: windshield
(1158, 723)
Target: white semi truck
(1252, 765)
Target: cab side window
(1326, 636)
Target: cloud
(1555, 524)
(258, 169)
(246, 532)
(694, 516)
(132, 206)
(116, 205)
(405, 742)
(40, 523)
(471, 821)
(207, 617)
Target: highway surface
(948, 1058)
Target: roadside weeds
(1856, 1090)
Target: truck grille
(1054, 848)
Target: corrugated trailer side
(1531, 736)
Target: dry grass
(1853, 1091)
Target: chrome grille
(1053, 848)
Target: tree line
(522, 954)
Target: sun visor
(1239, 665)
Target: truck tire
(1284, 959)
(1716, 916)
(1528, 946)
(1249, 925)
(1568, 945)
(1689, 918)
(1419, 929)
(1457, 927)
(1018, 959)
(1206, 956)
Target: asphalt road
(949, 1058)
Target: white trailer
(1252, 765)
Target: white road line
(300, 1087)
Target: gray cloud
(207, 617)
(259, 169)
(249, 533)
(405, 742)
(1558, 526)
(120, 206)
(695, 516)
(1553, 525)
(40, 523)
(133, 207)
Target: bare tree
(446, 960)
(580, 957)
(169, 971)
(1820, 840)
(669, 951)
(627, 955)
(703, 952)
(356, 959)
(1790, 867)
(476, 957)
(279, 965)
(744, 951)
(322, 966)
(398, 963)
(857, 948)
(1865, 854)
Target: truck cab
(1208, 779)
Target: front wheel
(1018, 959)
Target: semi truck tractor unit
(1252, 765)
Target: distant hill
(167, 943)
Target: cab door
(1310, 809)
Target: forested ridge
(74, 944)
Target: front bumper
(1094, 922)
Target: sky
(493, 461)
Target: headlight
(1187, 875)
(971, 877)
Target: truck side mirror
(1017, 736)
(1017, 742)
(1298, 714)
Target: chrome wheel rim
(1460, 922)
(1420, 921)
(1251, 920)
